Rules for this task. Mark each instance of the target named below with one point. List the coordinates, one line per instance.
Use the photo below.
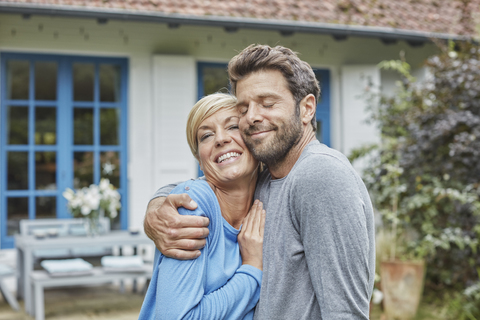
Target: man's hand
(176, 236)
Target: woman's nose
(222, 137)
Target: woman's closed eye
(206, 136)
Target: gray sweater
(319, 245)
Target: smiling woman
(224, 282)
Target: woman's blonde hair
(203, 109)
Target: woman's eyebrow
(204, 127)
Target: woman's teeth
(228, 156)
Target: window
(63, 124)
(323, 106)
(212, 77)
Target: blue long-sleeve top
(214, 286)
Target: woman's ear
(307, 108)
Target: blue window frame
(63, 124)
(323, 106)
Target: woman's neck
(236, 198)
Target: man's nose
(253, 114)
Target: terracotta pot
(402, 286)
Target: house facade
(93, 90)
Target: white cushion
(67, 265)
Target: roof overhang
(286, 27)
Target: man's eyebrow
(269, 95)
(261, 96)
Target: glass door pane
(17, 170)
(17, 118)
(215, 79)
(82, 169)
(18, 79)
(109, 83)
(109, 126)
(83, 126)
(46, 126)
(17, 209)
(45, 170)
(45, 80)
(83, 81)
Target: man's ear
(307, 108)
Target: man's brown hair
(298, 74)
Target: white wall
(356, 81)
(174, 90)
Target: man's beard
(274, 151)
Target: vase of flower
(93, 224)
(93, 204)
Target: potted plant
(402, 267)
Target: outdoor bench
(41, 280)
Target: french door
(62, 124)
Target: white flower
(377, 296)
(452, 54)
(108, 168)
(76, 202)
(113, 214)
(86, 200)
(85, 210)
(104, 184)
(92, 200)
(68, 194)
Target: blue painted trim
(323, 107)
(64, 144)
(3, 153)
(124, 142)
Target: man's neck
(282, 169)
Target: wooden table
(26, 245)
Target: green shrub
(424, 176)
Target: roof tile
(444, 16)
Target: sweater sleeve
(181, 295)
(165, 190)
(331, 219)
